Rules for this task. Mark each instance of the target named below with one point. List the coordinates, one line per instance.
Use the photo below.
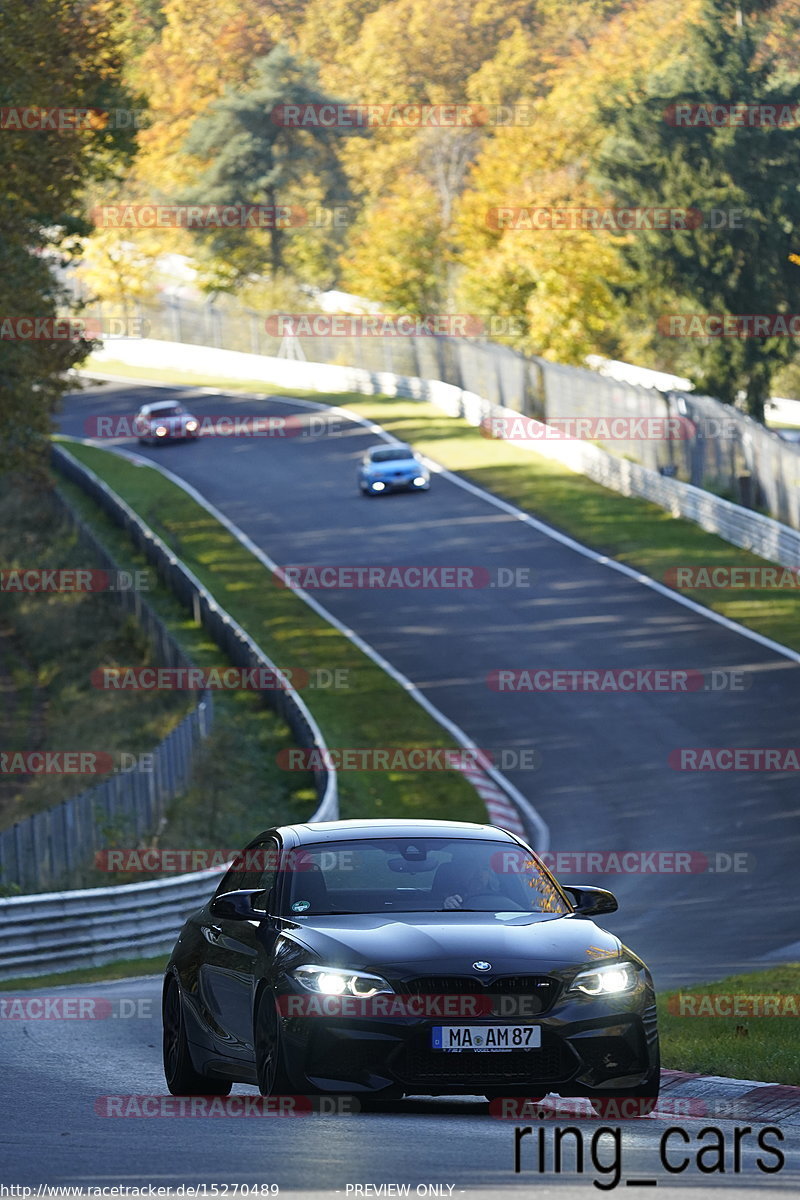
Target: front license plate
(486, 1037)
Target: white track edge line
(542, 830)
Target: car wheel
(182, 1079)
(270, 1069)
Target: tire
(270, 1068)
(182, 1079)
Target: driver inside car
(480, 881)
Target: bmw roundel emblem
(480, 965)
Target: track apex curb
(735, 1099)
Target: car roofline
(305, 833)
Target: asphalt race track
(58, 1075)
(603, 783)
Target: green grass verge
(368, 710)
(237, 787)
(765, 1048)
(625, 528)
(128, 968)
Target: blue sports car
(396, 468)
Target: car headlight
(335, 981)
(191, 426)
(378, 486)
(611, 980)
(161, 431)
(420, 481)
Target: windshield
(419, 875)
(167, 410)
(390, 455)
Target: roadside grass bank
(625, 528)
(50, 643)
(237, 788)
(355, 703)
(128, 968)
(718, 1028)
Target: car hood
(434, 943)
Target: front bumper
(174, 434)
(588, 1047)
(395, 484)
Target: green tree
(253, 157)
(44, 173)
(655, 158)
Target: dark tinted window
(254, 869)
(419, 875)
(390, 454)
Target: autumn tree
(736, 264)
(561, 285)
(44, 173)
(255, 154)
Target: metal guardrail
(53, 848)
(728, 451)
(58, 931)
(740, 526)
(61, 931)
(225, 631)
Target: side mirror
(237, 906)
(592, 901)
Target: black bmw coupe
(390, 958)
